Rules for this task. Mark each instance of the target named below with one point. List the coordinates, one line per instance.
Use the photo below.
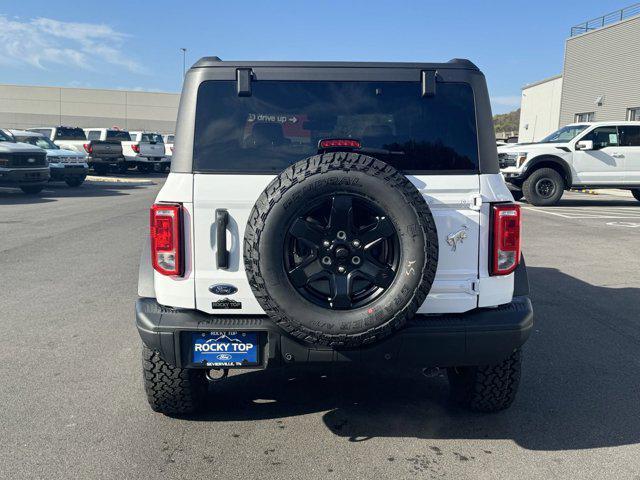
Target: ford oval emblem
(223, 289)
(223, 357)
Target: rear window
(67, 133)
(118, 135)
(282, 122)
(152, 137)
(629, 135)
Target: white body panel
(462, 280)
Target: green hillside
(507, 122)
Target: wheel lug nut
(341, 269)
(326, 260)
(356, 243)
(341, 235)
(355, 260)
(326, 244)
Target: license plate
(226, 349)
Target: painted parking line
(589, 212)
(624, 224)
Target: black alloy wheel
(545, 188)
(341, 252)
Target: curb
(584, 190)
(126, 181)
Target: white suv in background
(586, 155)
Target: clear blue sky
(129, 44)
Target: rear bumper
(479, 337)
(150, 160)
(105, 160)
(24, 176)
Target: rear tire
(31, 189)
(636, 193)
(330, 184)
(122, 168)
(544, 187)
(172, 390)
(488, 388)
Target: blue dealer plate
(225, 349)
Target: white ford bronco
(333, 212)
(581, 155)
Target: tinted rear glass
(282, 122)
(152, 137)
(118, 135)
(64, 133)
(629, 136)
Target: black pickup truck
(102, 154)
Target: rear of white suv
(333, 213)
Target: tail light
(88, 148)
(339, 143)
(506, 238)
(166, 239)
(135, 148)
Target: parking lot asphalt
(72, 404)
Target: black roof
(456, 63)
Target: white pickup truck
(146, 152)
(581, 155)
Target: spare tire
(340, 249)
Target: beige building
(31, 106)
(601, 66)
(599, 80)
(540, 109)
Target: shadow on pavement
(55, 191)
(580, 386)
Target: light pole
(184, 61)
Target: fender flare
(563, 164)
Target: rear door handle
(617, 155)
(222, 255)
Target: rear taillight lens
(135, 148)
(166, 239)
(88, 148)
(506, 238)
